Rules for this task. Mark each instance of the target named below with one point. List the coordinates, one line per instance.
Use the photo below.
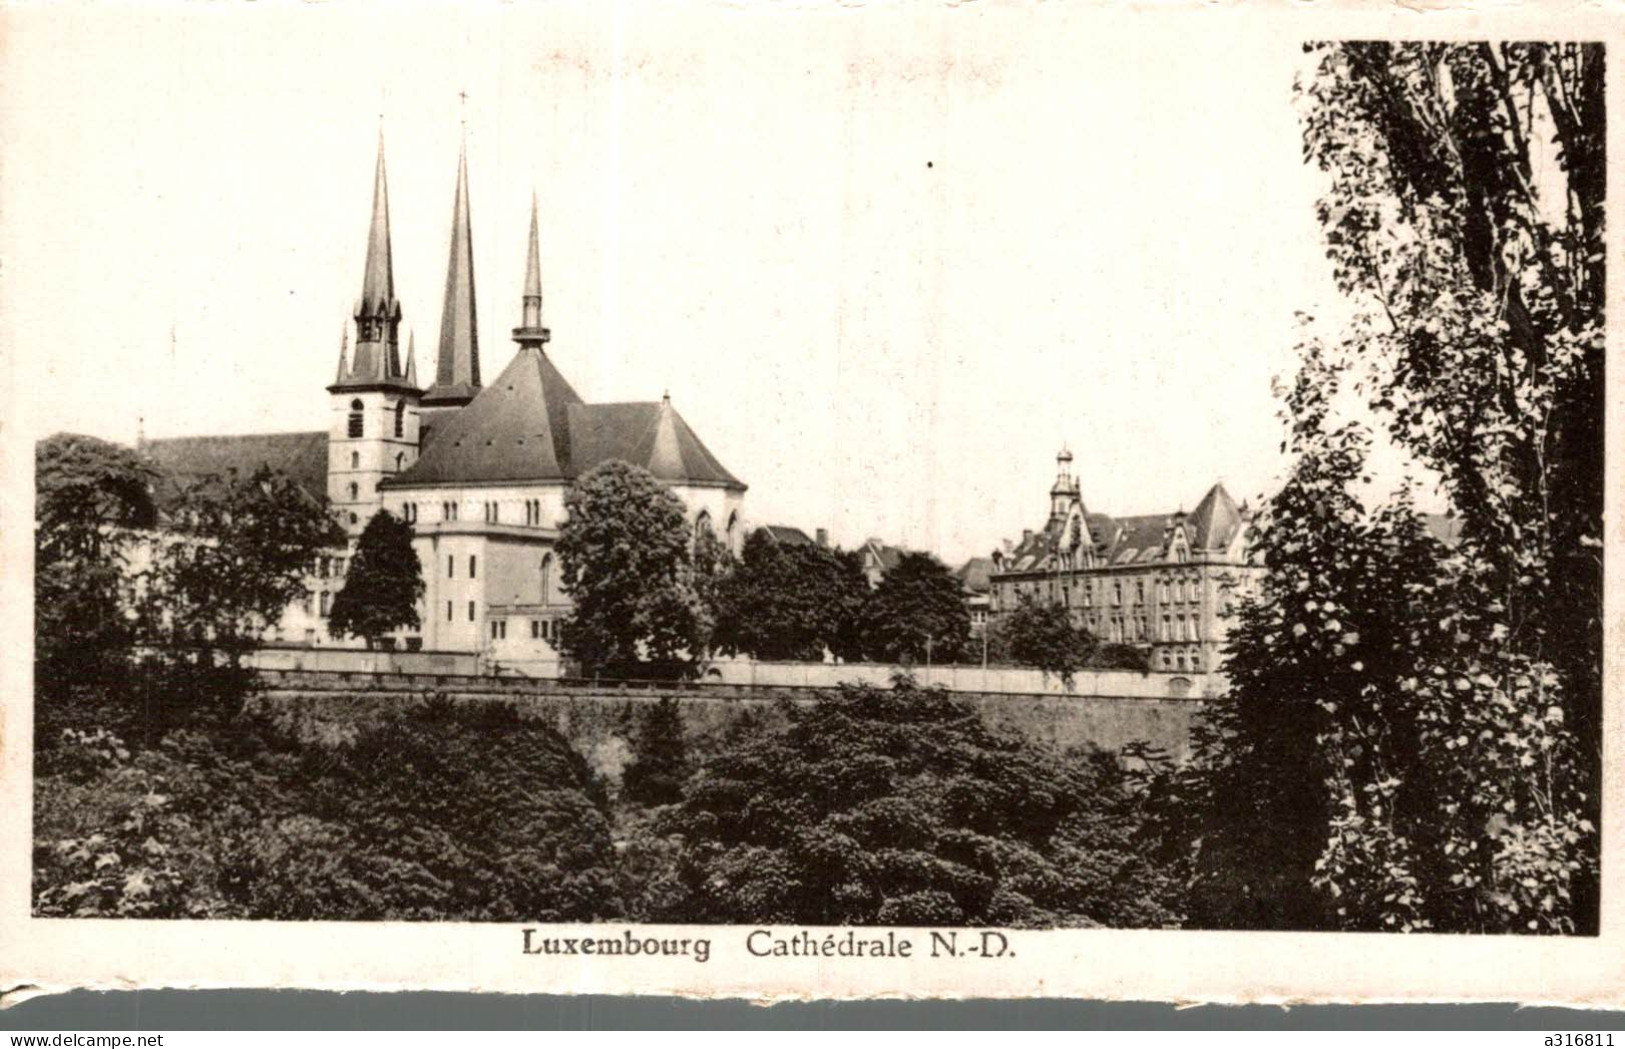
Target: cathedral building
(479, 470)
(1165, 583)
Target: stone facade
(1164, 583)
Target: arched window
(400, 419)
(355, 491)
(400, 461)
(702, 524)
(355, 460)
(547, 579)
(733, 532)
(355, 418)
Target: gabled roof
(1215, 521)
(531, 425)
(789, 535)
(1134, 539)
(184, 460)
(974, 575)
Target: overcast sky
(885, 261)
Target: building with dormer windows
(1166, 583)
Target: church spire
(530, 332)
(344, 353)
(412, 359)
(457, 371)
(378, 285)
(375, 359)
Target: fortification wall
(599, 722)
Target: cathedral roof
(530, 425)
(184, 460)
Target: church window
(702, 524)
(448, 611)
(471, 564)
(451, 567)
(355, 418)
(471, 611)
(1117, 593)
(400, 419)
(355, 460)
(355, 491)
(535, 629)
(547, 579)
(354, 519)
(733, 532)
(400, 461)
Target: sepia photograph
(715, 486)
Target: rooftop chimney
(823, 537)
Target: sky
(886, 260)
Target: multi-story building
(1166, 583)
(478, 470)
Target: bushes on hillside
(466, 813)
(904, 807)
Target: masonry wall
(600, 722)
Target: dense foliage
(917, 613)
(627, 557)
(444, 812)
(660, 757)
(91, 498)
(1441, 705)
(384, 584)
(791, 601)
(904, 807)
(236, 553)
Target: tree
(904, 808)
(91, 498)
(660, 757)
(384, 584)
(789, 601)
(240, 549)
(627, 563)
(917, 611)
(1444, 703)
(1043, 636)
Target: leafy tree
(240, 549)
(1043, 636)
(660, 757)
(91, 497)
(917, 611)
(790, 601)
(903, 807)
(627, 563)
(384, 584)
(1449, 704)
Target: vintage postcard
(813, 500)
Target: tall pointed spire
(344, 353)
(376, 358)
(412, 359)
(530, 332)
(457, 369)
(378, 285)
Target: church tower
(457, 365)
(374, 401)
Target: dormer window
(355, 418)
